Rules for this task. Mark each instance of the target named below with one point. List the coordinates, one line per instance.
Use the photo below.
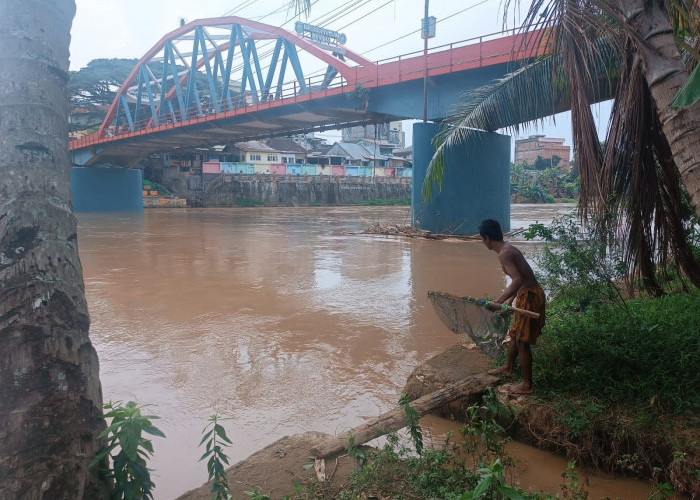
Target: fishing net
(487, 328)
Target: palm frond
(520, 97)
(641, 187)
(521, 100)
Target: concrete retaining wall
(277, 190)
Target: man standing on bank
(528, 294)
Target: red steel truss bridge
(221, 80)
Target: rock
(452, 365)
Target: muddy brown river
(281, 319)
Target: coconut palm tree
(50, 395)
(640, 53)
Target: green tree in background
(97, 83)
(93, 88)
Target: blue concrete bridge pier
(106, 189)
(475, 185)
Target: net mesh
(488, 329)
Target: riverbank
(286, 468)
(655, 439)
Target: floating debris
(412, 232)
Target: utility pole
(427, 31)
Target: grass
(618, 387)
(645, 358)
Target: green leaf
(483, 486)
(205, 437)
(510, 493)
(221, 432)
(690, 92)
(153, 430)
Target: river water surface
(282, 319)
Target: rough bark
(396, 418)
(50, 394)
(666, 74)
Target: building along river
(282, 319)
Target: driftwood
(412, 232)
(396, 418)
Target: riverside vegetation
(617, 390)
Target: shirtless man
(528, 294)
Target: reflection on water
(283, 319)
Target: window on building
(253, 157)
(271, 157)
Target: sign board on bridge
(321, 36)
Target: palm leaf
(689, 93)
(641, 187)
(520, 100)
(518, 97)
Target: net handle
(489, 304)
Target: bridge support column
(475, 185)
(101, 189)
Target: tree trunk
(50, 394)
(396, 418)
(665, 75)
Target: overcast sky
(376, 29)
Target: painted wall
(308, 170)
(97, 189)
(262, 168)
(475, 185)
(404, 172)
(278, 169)
(211, 167)
(293, 169)
(237, 168)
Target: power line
(419, 29)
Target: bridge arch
(214, 65)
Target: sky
(376, 29)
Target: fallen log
(396, 418)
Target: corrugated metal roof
(350, 150)
(285, 145)
(254, 146)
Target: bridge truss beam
(216, 65)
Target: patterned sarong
(524, 328)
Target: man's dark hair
(492, 229)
